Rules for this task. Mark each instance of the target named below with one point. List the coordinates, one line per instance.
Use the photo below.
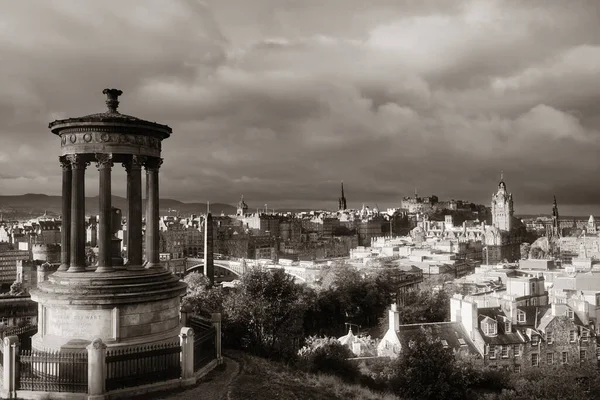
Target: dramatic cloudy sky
(279, 100)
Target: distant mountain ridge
(36, 204)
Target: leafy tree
(201, 297)
(328, 355)
(425, 305)
(547, 382)
(266, 313)
(537, 253)
(525, 249)
(425, 370)
(17, 289)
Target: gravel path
(214, 386)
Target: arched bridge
(197, 264)
(184, 266)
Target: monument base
(123, 308)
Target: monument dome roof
(110, 117)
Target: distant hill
(33, 204)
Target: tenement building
(516, 337)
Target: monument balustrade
(98, 372)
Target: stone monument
(124, 305)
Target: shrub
(328, 355)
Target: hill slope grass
(262, 379)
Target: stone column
(65, 229)
(77, 248)
(186, 338)
(104, 164)
(96, 369)
(209, 262)
(152, 213)
(134, 213)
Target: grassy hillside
(32, 205)
(262, 379)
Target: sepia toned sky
(280, 100)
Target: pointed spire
(501, 175)
(207, 207)
(342, 189)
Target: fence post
(96, 369)
(10, 374)
(184, 312)
(186, 338)
(216, 320)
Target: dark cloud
(280, 100)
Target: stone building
(517, 337)
(17, 310)
(8, 264)
(452, 335)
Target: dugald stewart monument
(124, 304)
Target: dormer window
(462, 342)
(445, 343)
(535, 340)
(507, 326)
(585, 335)
(489, 327)
(520, 316)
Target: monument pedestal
(123, 308)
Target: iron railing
(204, 341)
(142, 365)
(204, 348)
(53, 371)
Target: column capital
(153, 163)
(78, 161)
(65, 164)
(104, 160)
(135, 162)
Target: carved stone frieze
(101, 137)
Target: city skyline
(280, 102)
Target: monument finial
(112, 99)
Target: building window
(570, 313)
(550, 358)
(492, 351)
(504, 351)
(517, 369)
(585, 335)
(507, 327)
(582, 355)
(572, 336)
(535, 361)
(520, 316)
(517, 350)
(564, 357)
(535, 340)
(489, 328)
(549, 337)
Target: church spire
(342, 200)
